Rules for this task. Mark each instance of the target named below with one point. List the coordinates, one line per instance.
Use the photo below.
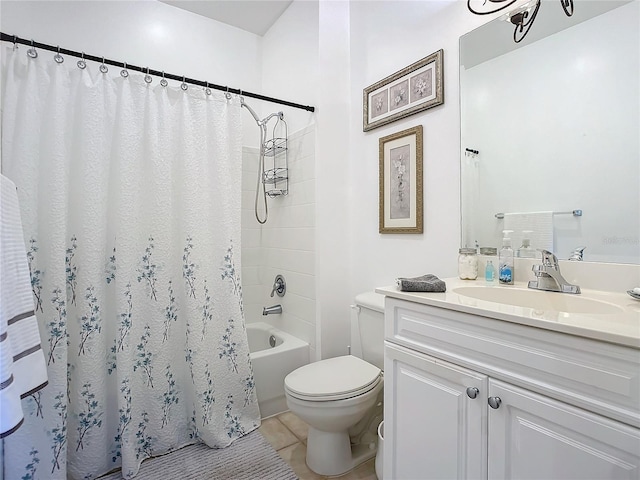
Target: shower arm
(261, 123)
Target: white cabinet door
(535, 437)
(433, 428)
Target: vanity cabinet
(473, 397)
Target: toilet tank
(367, 328)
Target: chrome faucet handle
(576, 255)
(279, 286)
(549, 259)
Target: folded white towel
(23, 369)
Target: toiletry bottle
(489, 271)
(505, 269)
(526, 250)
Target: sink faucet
(549, 277)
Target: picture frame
(413, 89)
(400, 187)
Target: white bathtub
(272, 364)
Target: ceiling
(255, 16)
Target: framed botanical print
(400, 195)
(411, 90)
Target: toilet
(340, 398)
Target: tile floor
(287, 434)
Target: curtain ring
(227, 94)
(207, 90)
(184, 85)
(15, 42)
(103, 67)
(32, 52)
(147, 77)
(57, 57)
(81, 63)
(163, 82)
(124, 73)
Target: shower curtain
(130, 202)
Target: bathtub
(272, 363)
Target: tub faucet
(549, 277)
(271, 310)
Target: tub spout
(272, 309)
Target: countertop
(621, 327)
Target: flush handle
(495, 402)
(472, 392)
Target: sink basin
(537, 300)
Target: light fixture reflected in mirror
(522, 16)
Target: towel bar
(575, 213)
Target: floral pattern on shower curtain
(130, 201)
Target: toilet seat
(333, 379)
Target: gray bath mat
(248, 458)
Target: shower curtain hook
(163, 82)
(124, 72)
(147, 77)
(184, 85)
(57, 57)
(32, 52)
(81, 63)
(227, 94)
(207, 90)
(103, 67)
(15, 42)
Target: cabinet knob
(495, 402)
(472, 392)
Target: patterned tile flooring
(287, 434)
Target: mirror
(551, 125)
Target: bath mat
(248, 458)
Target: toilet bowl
(341, 398)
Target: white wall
(144, 33)
(290, 62)
(333, 188)
(386, 37)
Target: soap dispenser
(525, 250)
(505, 260)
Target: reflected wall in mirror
(555, 122)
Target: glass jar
(467, 264)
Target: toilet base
(331, 453)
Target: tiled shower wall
(284, 245)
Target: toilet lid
(333, 379)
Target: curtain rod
(63, 51)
